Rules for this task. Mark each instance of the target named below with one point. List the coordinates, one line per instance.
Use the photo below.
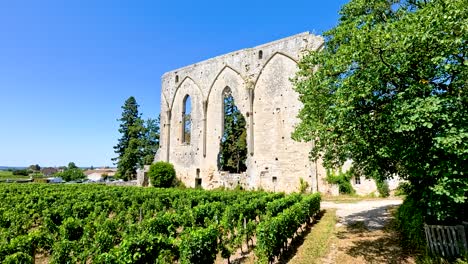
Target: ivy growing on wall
(342, 179)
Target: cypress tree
(129, 146)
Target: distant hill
(12, 168)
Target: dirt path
(372, 213)
(364, 233)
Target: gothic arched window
(186, 120)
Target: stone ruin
(259, 80)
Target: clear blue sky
(66, 67)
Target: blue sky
(66, 67)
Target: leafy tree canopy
(71, 174)
(389, 91)
(151, 140)
(71, 165)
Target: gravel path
(373, 213)
(360, 234)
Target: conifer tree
(129, 147)
(233, 150)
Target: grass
(4, 175)
(347, 198)
(8, 175)
(423, 256)
(317, 243)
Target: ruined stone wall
(259, 79)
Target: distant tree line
(70, 172)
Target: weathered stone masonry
(259, 79)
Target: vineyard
(102, 224)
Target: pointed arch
(164, 100)
(225, 68)
(275, 107)
(226, 77)
(186, 79)
(268, 61)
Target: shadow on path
(370, 237)
(299, 240)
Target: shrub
(273, 233)
(410, 222)
(199, 245)
(303, 185)
(71, 229)
(178, 184)
(21, 172)
(71, 174)
(382, 187)
(162, 174)
(18, 257)
(403, 188)
(342, 179)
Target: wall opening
(260, 55)
(186, 120)
(177, 78)
(198, 183)
(357, 179)
(233, 148)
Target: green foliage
(162, 174)
(18, 258)
(342, 179)
(388, 90)
(403, 188)
(277, 206)
(303, 185)
(129, 147)
(179, 184)
(273, 233)
(105, 224)
(142, 248)
(71, 165)
(410, 222)
(21, 172)
(187, 120)
(462, 260)
(233, 149)
(71, 174)
(382, 187)
(71, 229)
(150, 140)
(7, 175)
(139, 142)
(199, 245)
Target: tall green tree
(71, 174)
(72, 165)
(151, 140)
(389, 91)
(233, 149)
(129, 147)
